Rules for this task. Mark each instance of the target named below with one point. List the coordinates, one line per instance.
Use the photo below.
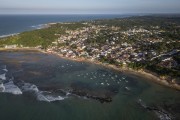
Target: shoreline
(148, 75)
(36, 27)
(8, 35)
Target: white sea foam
(38, 26)
(10, 87)
(3, 36)
(68, 93)
(163, 116)
(142, 103)
(29, 87)
(40, 95)
(2, 88)
(3, 76)
(48, 98)
(5, 68)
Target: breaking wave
(8, 35)
(10, 87)
(48, 97)
(7, 86)
(3, 76)
(41, 95)
(40, 26)
(27, 87)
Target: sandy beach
(152, 77)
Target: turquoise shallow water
(53, 77)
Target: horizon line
(90, 13)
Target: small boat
(127, 88)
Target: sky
(88, 6)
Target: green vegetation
(137, 65)
(42, 37)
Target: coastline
(152, 77)
(8, 35)
(35, 27)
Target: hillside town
(83, 43)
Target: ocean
(38, 86)
(13, 24)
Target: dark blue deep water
(10, 24)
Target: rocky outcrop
(99, 98)
(161, 113)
